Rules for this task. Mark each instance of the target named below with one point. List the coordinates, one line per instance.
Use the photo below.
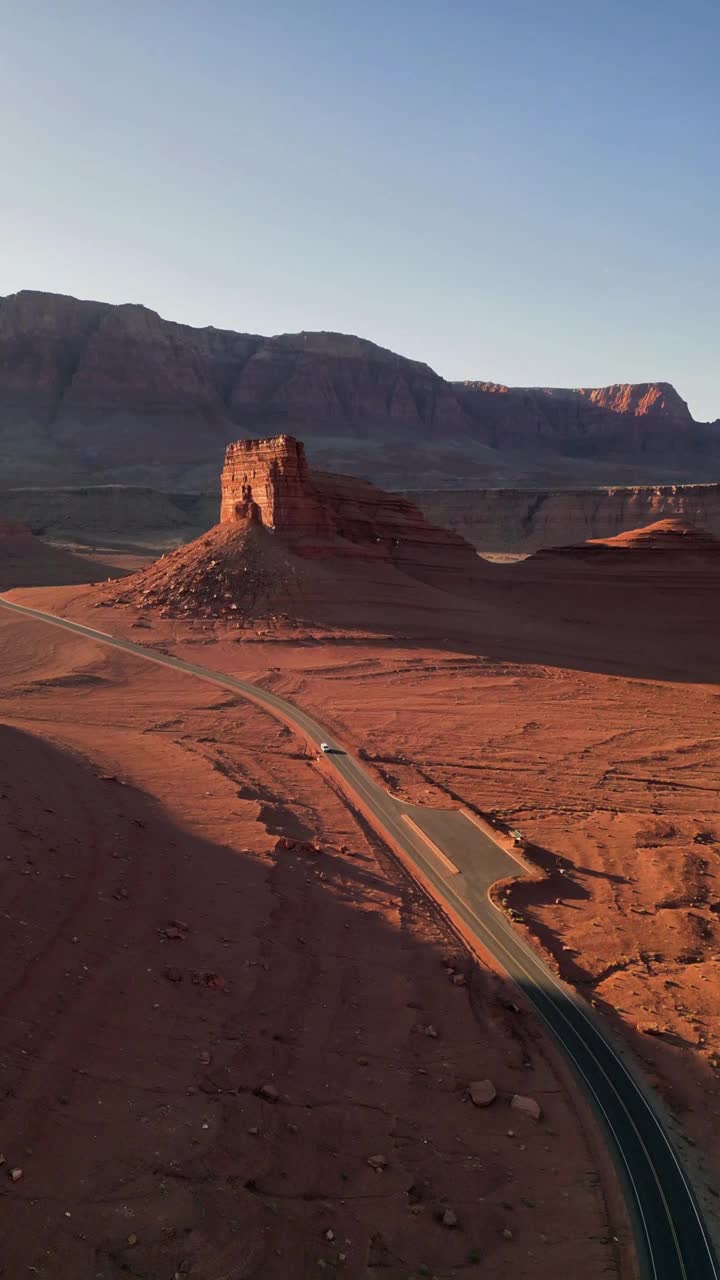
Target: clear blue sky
(521, 190)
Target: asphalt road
(460, 862)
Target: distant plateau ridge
(92, 393)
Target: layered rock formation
(322, 514)
(90, 391)
(268, 480)
(662, 545)
(523, 520)
(283, 545)
(515, 521)
(664, 537)
(631, 573)
(639, 399)
(621, 421)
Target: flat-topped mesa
(268, 481)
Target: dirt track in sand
(131, 1057)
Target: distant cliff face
(621, 420)
(117, 393)
(524, 520)
(94, 392)
(640, 399)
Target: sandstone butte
(292, 539)
(90, 391)
(297, 544)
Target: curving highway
(458, 862)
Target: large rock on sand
(482, 1092)
(527, 1105)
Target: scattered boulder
(528, 1105)
(268, 1092)
(651, 1029)
(449, 1219)
(482, 1092)
(175, 931)
(284, 844)
(378, 1163)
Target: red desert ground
(238, 1038)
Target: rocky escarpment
(524, 520)
(626, 420)
(101, 393)
(639, 399)
(115, 392)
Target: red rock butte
(300, 542)
(268, 481)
